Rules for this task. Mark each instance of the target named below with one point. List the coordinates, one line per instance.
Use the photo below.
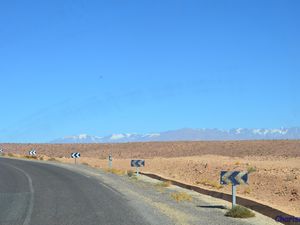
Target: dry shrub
(239, 212)
(247, 190)
(251, 169)
(181, 196)
(115, 171)
(210, 183)
(52, 159)
(167, 183)
(30, 157)
(130, 173)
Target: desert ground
(274, 166)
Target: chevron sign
(32, 152)
(75, 155)
(234, 177)
(137, 163)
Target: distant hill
(188, 134)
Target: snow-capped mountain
(81, 138)
(189, 135)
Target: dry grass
(116, 171)
(130, 173)
(210, 183)
(181, 196)
(251, 169)
(30, 157)
(52, 159)
(247, 190)
(164, 184)
(240, 212)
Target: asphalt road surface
(42, 194)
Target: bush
(247, 190)
(30, 157)
(239, 212)
(41, 158)
(210, 183)
(181, 196)
(85, 164)
(10, 155)
(251, 169)
(164, 184)
(130, 173)
(52, 159)
(115, 171)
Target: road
(41, 194)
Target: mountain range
(188, 134)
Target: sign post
(233, 195)
(110, 161)
(137, 164)
(234, 178)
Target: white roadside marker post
(110, 161)
(233, 195)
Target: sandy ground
(274, 165)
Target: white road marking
(31, 191)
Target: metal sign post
(233, 195)
(75, 161)
(137, 171)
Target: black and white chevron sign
(1, 150)
(32, 152)
(137, 163)
(75, 155)
(234, 177)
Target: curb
(258, 207)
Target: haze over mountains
(188, 134)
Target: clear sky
(102, 67)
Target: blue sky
(102, 67)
